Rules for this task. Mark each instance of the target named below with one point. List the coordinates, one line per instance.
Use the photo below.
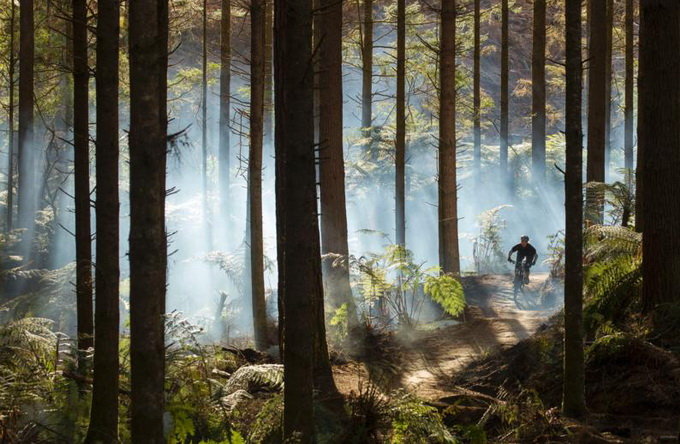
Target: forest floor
(424, 360)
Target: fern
(614, 277)
(415, 422)
(448, 292)
(604, 243)
(256, 377)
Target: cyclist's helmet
(525, 238)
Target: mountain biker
(526, 256)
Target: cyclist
(526, 256)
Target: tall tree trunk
(538, 94)
(334, 242)
(204, 126)
(81, 178)
(269, 83)
(477, 98)
(10, 121)
(573, 395)
(225, 108)
(659, 141)
(297, 223)
(367, 69)
(257, 75)
(400, 142)
(148, 248)
(26, 195)
(608, 87)
(629, 141)
(449, 257)
(505, 96)
(104, 413)
(597, 104)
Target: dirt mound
(632, 386)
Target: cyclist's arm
(512, 250)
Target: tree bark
(608, 88)
(81, 177)
(367, 70)
(597, 105)
(538, 95)
(400, 142)
(296, 219)
(268, 148)
(477, 98)
(225, 108)
(449, 257)
(629, 116)
(659, 140)
(148, 42)
(10, 121)
(104, 412)
(257, 75)
(204, 127)
(573, 395)
(334, 242)
(505, 96)
(26, 195)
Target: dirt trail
(433, 356)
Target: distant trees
(477, 96)
(449, 256)
(505, 96)
(367, 68)
(629, 110)
(400, 141)
(148, 41)
(26, 195)
(256, 244)
(538, 93)
(225, 107)
(597, 106)
(11, 69)
(104, 412)
(659, 145)
(573, 393)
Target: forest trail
(424, 362)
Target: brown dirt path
(430, 356)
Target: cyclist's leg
(526, 272)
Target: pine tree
(659, 142)
(573, 394)
(449, 257)
(148, 42)
(104, 412)
(256, 253)
(538, 94)
(296, 220)
(81, 175)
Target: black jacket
(528, 252)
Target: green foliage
(415, 422)
(394, 287)
(619, 199)
(487, 248)
(613, 278)
(268, 426)
(50, 297)
(397, 417)
(447, 291)
(556, 255)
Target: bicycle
(518, 283)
